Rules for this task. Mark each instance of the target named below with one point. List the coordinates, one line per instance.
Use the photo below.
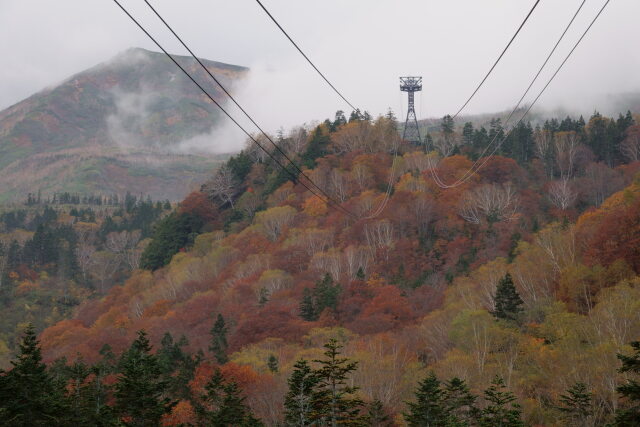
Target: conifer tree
(28, 394)
(272, 363)
(497, 413)
(325, 294)
(458, 404)
(224, 405)
(507, 300)
(177, 367)
(219, 340)
(334, 402)
(299, 399)
(631, 389)
(307, 309)
(576, 404)
(377, 415)
(87, 399)
(427, 410)
(140, 390)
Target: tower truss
(411, 84)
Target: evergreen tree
(631, 389)
(28, 394)
(576, 404)
(496, 413)
(272, 363)
(224, 405)
(340, 120)
(299, 399)
(325, 294)
(171, 234)
(507, 300)
(177, 366)
(307, 308)
(87, 399)
(447, 125)
(219, 340)
(140, 390)
(467, 133)
(334, 401)
(458, 404)
(377, 416)
(427, 410)
(316, 148)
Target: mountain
(527, 273)
(119, 126)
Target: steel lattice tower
(411, 131)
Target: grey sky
(361, 45)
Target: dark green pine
(427, 410)
(501, 411)
(576, 403)
(219, 340)
(140, 391)
(299, 398)
(458, 404)
(28, 394)
(224, 405)
(630, 391)
(334, 402)
(307, 309)
(507, 300)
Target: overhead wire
(306, 57)
(395, 153)
(224, 110)
(497, 60)
(439, 180)
(486, 159)
(276, 146)
(548, 82)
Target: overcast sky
(363, 46)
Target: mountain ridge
(133, 104)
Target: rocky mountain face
(129, 124)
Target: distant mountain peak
(136, 102)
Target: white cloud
(362, 46)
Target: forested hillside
(59, 251)
(511, 299)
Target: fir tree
(458, 404)
(325, 294)
(28, 394)
(497, 413)
(507, 300)
(427, 410)
(272, 363)
(177, 366)
(224, 405)
(140, 389)
(631, 389)
(307, 308)
(334, 401)
(299, 399)
(219, 340)
(87, 399)
(377, 415)
(576, 404)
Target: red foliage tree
(617, 236)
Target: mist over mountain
(133, 123)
